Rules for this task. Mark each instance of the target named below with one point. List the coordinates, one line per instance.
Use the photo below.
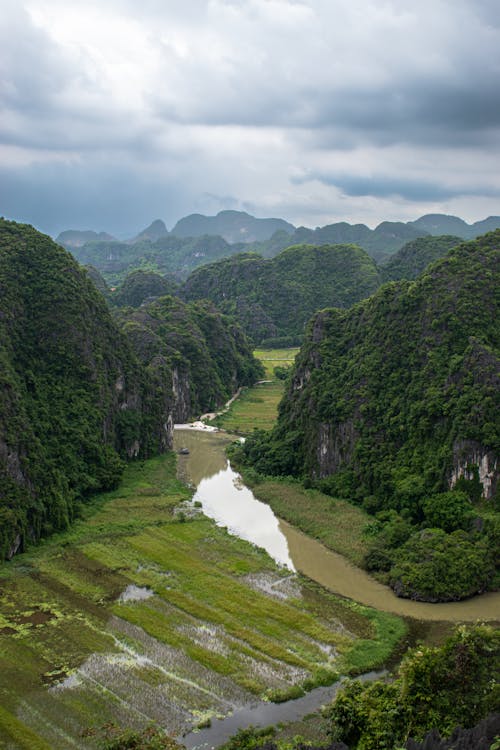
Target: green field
(257, 407)
(272, 358)
(212, 622)
(334, 522)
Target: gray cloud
(114, 199)
(414, 190)
(291, 106)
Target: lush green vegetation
(272, 358)
(276, 297)
(139, 285)
(257, 406)
(439, 224)
(197, 240)
(384, 240)
(69, 379)
(76, 399)
(214, 621)
(439, 688)
(336, 523)
(387, 400)
(167, 255)
(202, 352)
(415, 256)
(151, 738)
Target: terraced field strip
(272, 358)
(257, 407)
(144, 613)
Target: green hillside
(166, 255)
(75, 398)
(69, 380)
(140, 285)
(275, 298)
(393, 401)
(203, 353)
(415, 256)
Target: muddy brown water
(225, 499)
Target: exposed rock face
(470, 457)
(182, 395)
(192, 351)
(335, 447)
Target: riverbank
(340, 526)
(145, 610)
(221, 499)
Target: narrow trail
(213, 414)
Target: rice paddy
(142, 613)
(257, 407)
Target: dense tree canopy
(276, 297)
(393, 398)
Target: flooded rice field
(146, 610)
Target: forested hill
(207, 353)
(395, 399)
(233, 226)
(166, 255)
(404, 380)
(415, 256)
(75, 398)
(140, 286)
(196, 240)
(68, 375)
(275, 298)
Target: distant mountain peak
(155, 231)
(233, 226)
(79, 237)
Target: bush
(448, 511)
(435, 566)
(436, 688)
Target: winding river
(226, 499)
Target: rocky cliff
(74, 399)
(192, 349)
(401, 389)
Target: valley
(147, 584)
(147, 610)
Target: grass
(257, 407)
(207, 638)
(272, 358)
(334, 522)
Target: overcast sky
(117, 112)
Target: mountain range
(196, 240)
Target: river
(225, 498)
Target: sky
(118, 112)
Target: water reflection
(225, 498)
(233, 505)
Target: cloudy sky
(117, 112)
